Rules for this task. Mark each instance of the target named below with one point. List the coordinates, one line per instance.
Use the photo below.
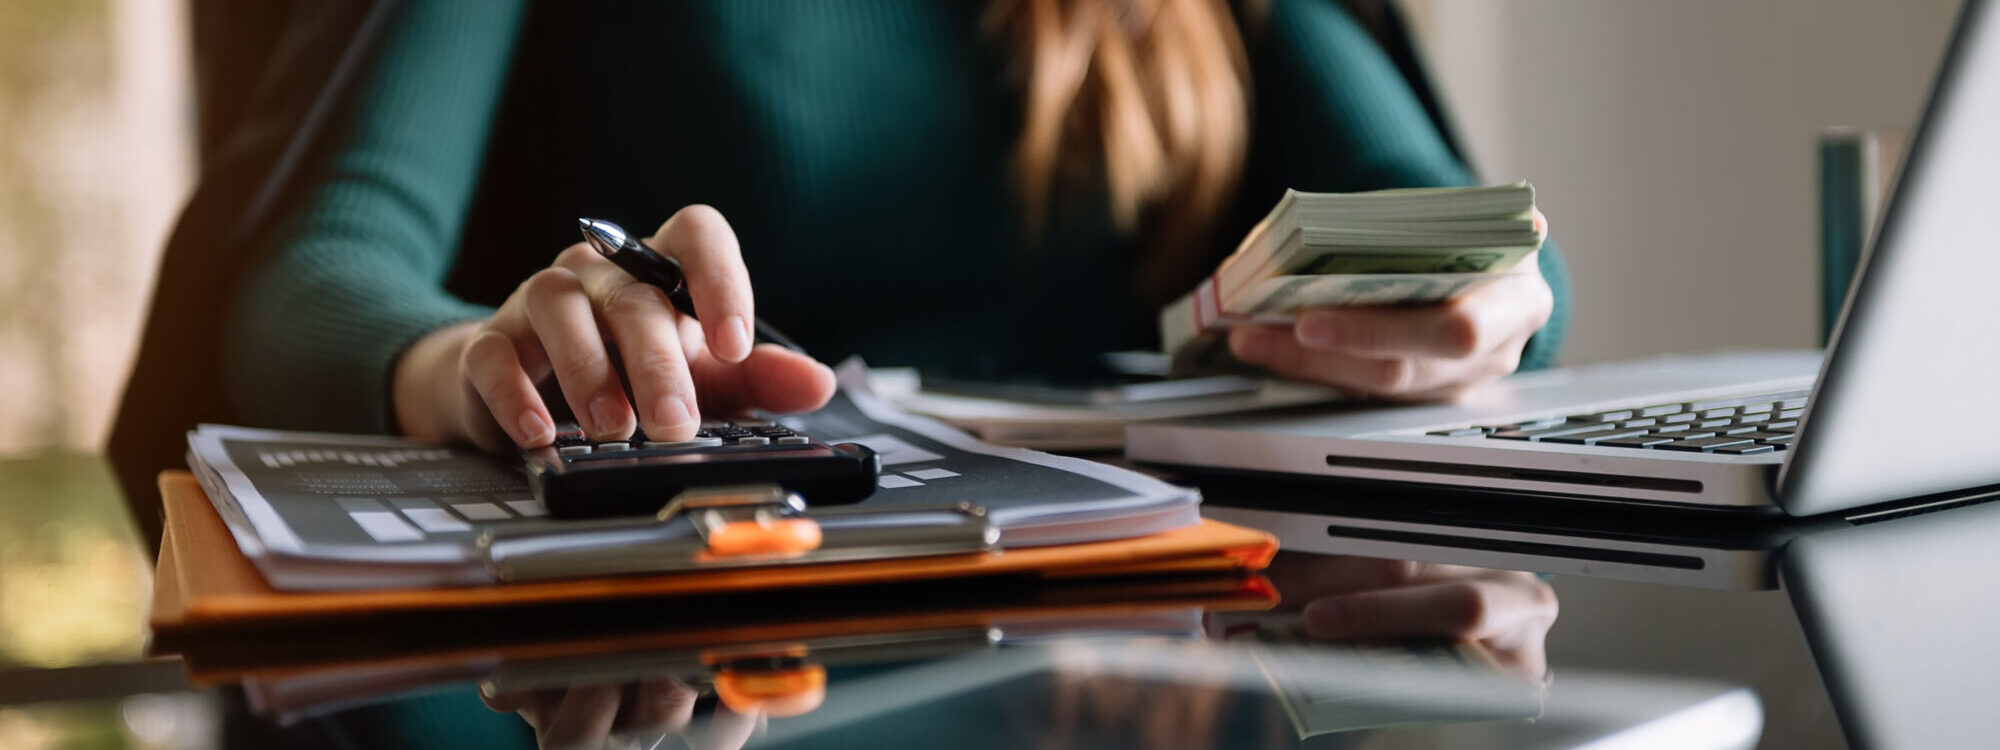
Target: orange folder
(204, 584)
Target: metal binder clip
(731, 527)
(750, 519)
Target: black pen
(648, 265)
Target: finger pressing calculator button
(699, 442)
(573, 450)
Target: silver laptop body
(1904, 403)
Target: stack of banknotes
(1389, 247)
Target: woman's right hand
(583, 319)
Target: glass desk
(1394, 654)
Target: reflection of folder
(205, 584)
(865, 625)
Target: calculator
(577, 477)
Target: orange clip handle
(788, 536)
(788, 692)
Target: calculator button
(755, 423)
(573, 450)
(794, 440)
(613, 447)
(698, 442)
(753, 441)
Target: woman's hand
(612, 717)
(596, 329)
(1367, 599)
(1434, 352)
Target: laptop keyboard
(1758, 423)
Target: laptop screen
(1906, 398)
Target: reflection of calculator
(579, 477)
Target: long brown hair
(1150, 95)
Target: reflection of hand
(1358, 598)
(598, 330)
(607, 717)
(1424, 352)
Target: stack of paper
(1076, 427)
(1388, 247)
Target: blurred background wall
(95, 160)
(1672, 143)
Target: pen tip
(603, 236)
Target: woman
(917, 182)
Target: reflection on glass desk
(1345, 652)
(1895, 606)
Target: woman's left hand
(1433, 352)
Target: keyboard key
(1757, 408)
(1644, 441)
(1763, 435)
(1686, 416)
(1754, 417)
(1713, 423)
(1647, 422)
(1619, 415)
(1671, 429)
(1702, 445)
(1540, 434)
(1592, 438)
(1791, 413)
(1740, 450)
(1792, 403)
(1659, 410)
(1460, 432)
(1541, 424)
(1779, 439)
(1751, 399)
(1786, 425)
(1739, 429)
(1717, 413)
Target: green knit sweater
(859, 148)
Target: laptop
(1902, 404)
